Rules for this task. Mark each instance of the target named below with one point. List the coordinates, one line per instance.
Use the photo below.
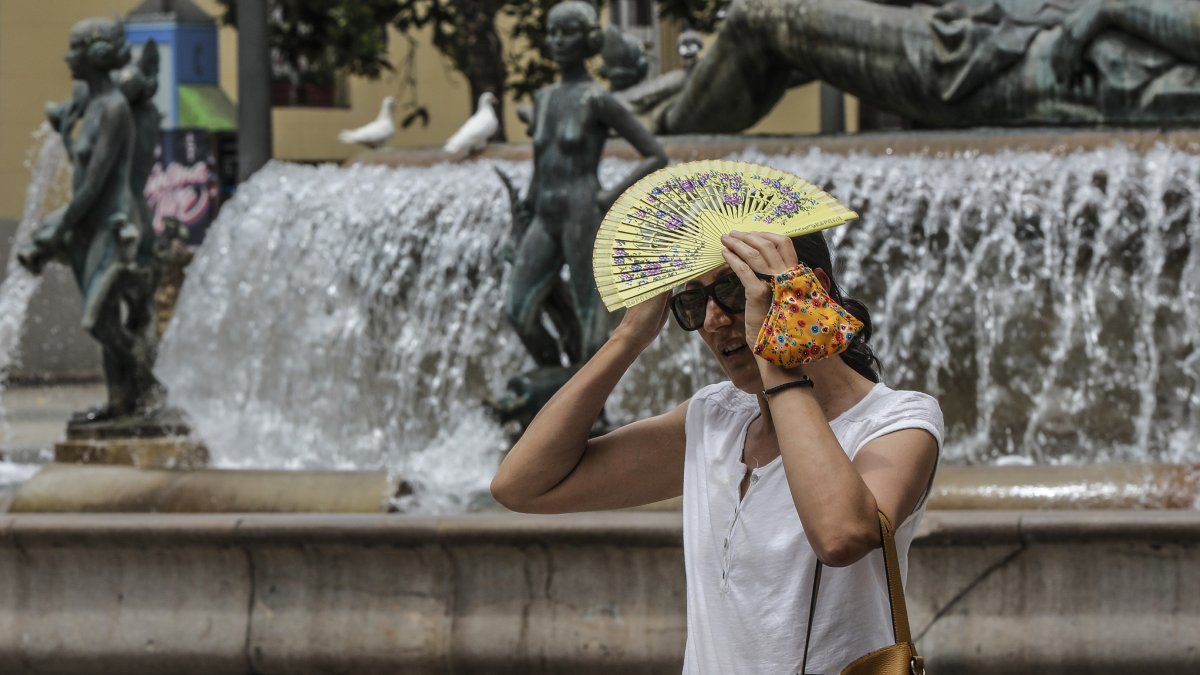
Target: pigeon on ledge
(373, 134)
(475, 132)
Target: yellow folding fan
(666, 229)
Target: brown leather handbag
(897, 659)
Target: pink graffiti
(180, 192)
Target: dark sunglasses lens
(689, 307)
(730, 293)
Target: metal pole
(254, 87)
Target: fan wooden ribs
(666, 229)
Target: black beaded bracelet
(802, 382)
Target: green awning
(205, 106)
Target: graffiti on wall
(186, 193)
(195, 171)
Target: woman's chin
(744, 375)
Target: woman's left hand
(750, 254)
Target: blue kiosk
(197, 157)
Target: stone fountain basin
(1018, 591)
(74, 488)
(997, 589)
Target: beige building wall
(33, 38)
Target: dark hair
(812, 250)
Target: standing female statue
(571, 121)
(101, 234)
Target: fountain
(47, 162)
(366, 303)
(1040, 267)
(349, 321)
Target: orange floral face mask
(803, 324)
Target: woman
(769, 484)
(571, 122)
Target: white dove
(376, 133)
(475, 132)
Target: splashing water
(1049, 301)
(353, 317)
(47, 161)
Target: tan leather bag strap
(891, 566)
(895, 586)
(812, 609)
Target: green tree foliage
(317, 38)
(529, 69)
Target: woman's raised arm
(556, 468)
(836, 498)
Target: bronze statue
(139, 82)
(102, 234)
(625, 61)
(564, 204)
(954, 64)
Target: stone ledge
(168, 452)
(75, 488)
(1058, 526)
(618, 527)
(1057, 141)
(989, 592)
(69, 488)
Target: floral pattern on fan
(667, 227)
(792, 203)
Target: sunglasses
(689, 306)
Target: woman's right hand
(643, 322)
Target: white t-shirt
(749, 565)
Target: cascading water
(1049, 301)
(339, 318)
(352, 317)
(47, 162)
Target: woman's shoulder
(905, 403)
(908, 399)
(885, 408)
